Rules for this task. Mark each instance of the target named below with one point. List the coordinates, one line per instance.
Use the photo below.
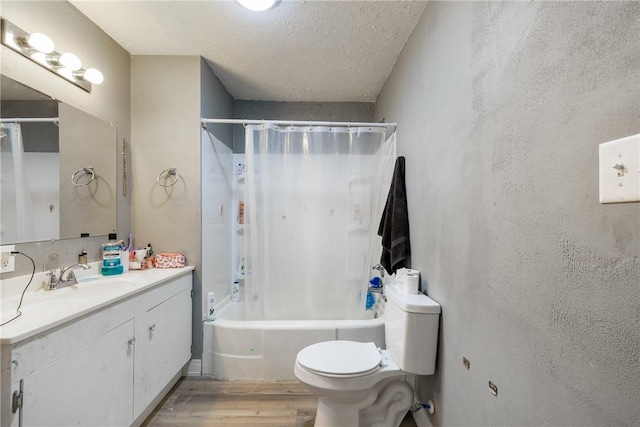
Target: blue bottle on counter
(111, 261)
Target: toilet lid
(340, 357)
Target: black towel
(394, 224)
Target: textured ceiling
(297, 51)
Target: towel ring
(168, 172)
(86, 171)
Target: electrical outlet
(8, 261)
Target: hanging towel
(394, 224)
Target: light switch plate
(620, 170)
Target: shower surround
(312, 198)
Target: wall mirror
(57, 169)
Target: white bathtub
(265, 350)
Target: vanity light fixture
(258, 5)
(40, 49)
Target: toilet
(358, 384)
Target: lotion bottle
(211, 306)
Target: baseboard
(193, 368)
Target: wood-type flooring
(202, 401)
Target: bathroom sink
(97, 288)
(93, 288)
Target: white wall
(501, 107)
(109, 101)
(217, 219)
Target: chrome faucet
(379, 268)
(66, 278)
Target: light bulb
(257, 5)
(40, 58)
(40, 42)
(70, 61)
(67, 73)
(94, 76)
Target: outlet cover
(8, 261)
(620, 170)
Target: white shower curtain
(17, 212)
(310, 200)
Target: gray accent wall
(500, 109)
(316, 111)
(215, 103)
(36, 137)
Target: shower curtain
(311, 213)
(17, 212)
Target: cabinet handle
(152, 328)
(132, 341)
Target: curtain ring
(87, 171)
(168, 172)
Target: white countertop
(43, 310)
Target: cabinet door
(163, 347)
(89, 387)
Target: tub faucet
(379, 268)
(67, 277)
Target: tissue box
(170, 260)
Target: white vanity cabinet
(90, 386)
(162, 347)
(105, 368)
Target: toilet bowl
(355, 383)
(359, 385)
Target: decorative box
(170, 260)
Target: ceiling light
(258, 5)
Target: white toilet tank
(411, 330)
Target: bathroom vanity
(103, 352)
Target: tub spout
(379, 268)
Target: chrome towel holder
(87, 171)
(167, 173)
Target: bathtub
(265, 350)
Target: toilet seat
(340, 358)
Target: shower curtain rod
(296, 123)
(30, 120)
